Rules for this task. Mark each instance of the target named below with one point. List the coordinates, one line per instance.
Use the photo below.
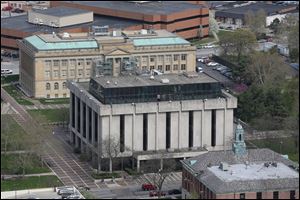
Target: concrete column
(76, 141)
(219, 127)
(161, 164)
(184, 130)
(179, 126)
(138, 133)
(72, 138)
(138, 165)
(94, 160)
(81, 119)
(207, 128)
(93, 128)
(156, 128)
(87, 122)
(151, 131)
(202, 126)
(174, 130)
(82, 146)
(99, 162)
(76, 113)
(128, 131)
(197, 129)
(161, 143)
(71, 111)
(224, 128)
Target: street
(13, 65)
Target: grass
(30, 183)
(50, 115)
(221, 33)
(17, 95)
(197, 42)
(105, 175)
(9, 79)
(10, 164)
(10, 130)
(55, 101)
(288, 146)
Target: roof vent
(224, 166)
(116, 83)
(144, 31)
(152, 77)
(66, 35)
(274, 164)
(164, 80)
(107, 82)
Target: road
(206, 52)
(13, 65)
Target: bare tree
(256, 22)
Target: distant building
(48, 60)
(240, 174)
(188, 19)
(235, 17)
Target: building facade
(48, 60)
(181, 117)
(240, 174)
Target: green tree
(275, 25)
(256, 22)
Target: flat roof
(242, 180)
(61, 11)
(20, 23)
(140, 81)
(151, 7)
(240, 12)
(160, 41)
(254, 171)
(40, 44)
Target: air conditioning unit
(164, 80)
(224, 166)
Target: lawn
(33, 166)
(17, 95)
(198, 42)
(221, 33)
(30, 183)
(288, 146)
(10, 78)
(10, 129)
(50, 115)
(55, 101)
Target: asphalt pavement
(13, 65)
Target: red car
(8, 8)
(148, 186)
(156, 193)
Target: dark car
(174, 191)
(157, 193)
(17, 10)
(148, 186)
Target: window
(160, 67)
(292, 194)
(183, 57)
(168, 129)
(64, 73)
(48, 96)
(88, 61)
(122, 135)
(80, 62)
(87, 72)
(258, 195)
(191, 128)
(213, 128)
(176, 57)
(56, 95)
(160, 58)
(48, 63)
(96, 126)
(152, 58)
(47, 74)
(175, 67)
(64, 85)
(55, 73)
(183, 67)
(145, 131)
(55, 63)
(144, 59)
(144, 68)
(242, 196)
(275, 195)
(80, 72)
(168, 58)
(72, 62)
(72, 72)
(64, 63)
(56, 86)
(48, 86)
(168, 67)
(151, 67)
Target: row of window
(63, 73)
(167, 67)
(275, 195)
(56, 86)
(66, 62)
(56, 95)
(160, 58)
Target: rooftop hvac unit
(66, 35)
(164, 80)
(100, 30)
(144, 32)
(224, 166)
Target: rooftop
(141, 81)
(254, 178)
(151, 7)
(159, 41)
(61, 11)
(239, 12)
(255, 171)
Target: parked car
(199, 69)
(220, 68)
(17, 10)
(7, 8)
(148, 186)
(6, 71)
(174, 191)
(157, 193)
(212, 64)
(225, 71)
(202, 60)
(228, 75)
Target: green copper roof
(40, 44)
(159, 41)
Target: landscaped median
(17, 95)
(31, 182)
(55, 101)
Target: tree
(159, 176)
(256, 22)
(266, 68)
(239, 43)
(213, 26)
(275, 25)
(293, 41)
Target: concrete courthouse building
(179, 113)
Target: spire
(239, 146)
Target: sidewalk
(9, 176)
(45, 106)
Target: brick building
(240, 174)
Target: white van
(6, 71)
